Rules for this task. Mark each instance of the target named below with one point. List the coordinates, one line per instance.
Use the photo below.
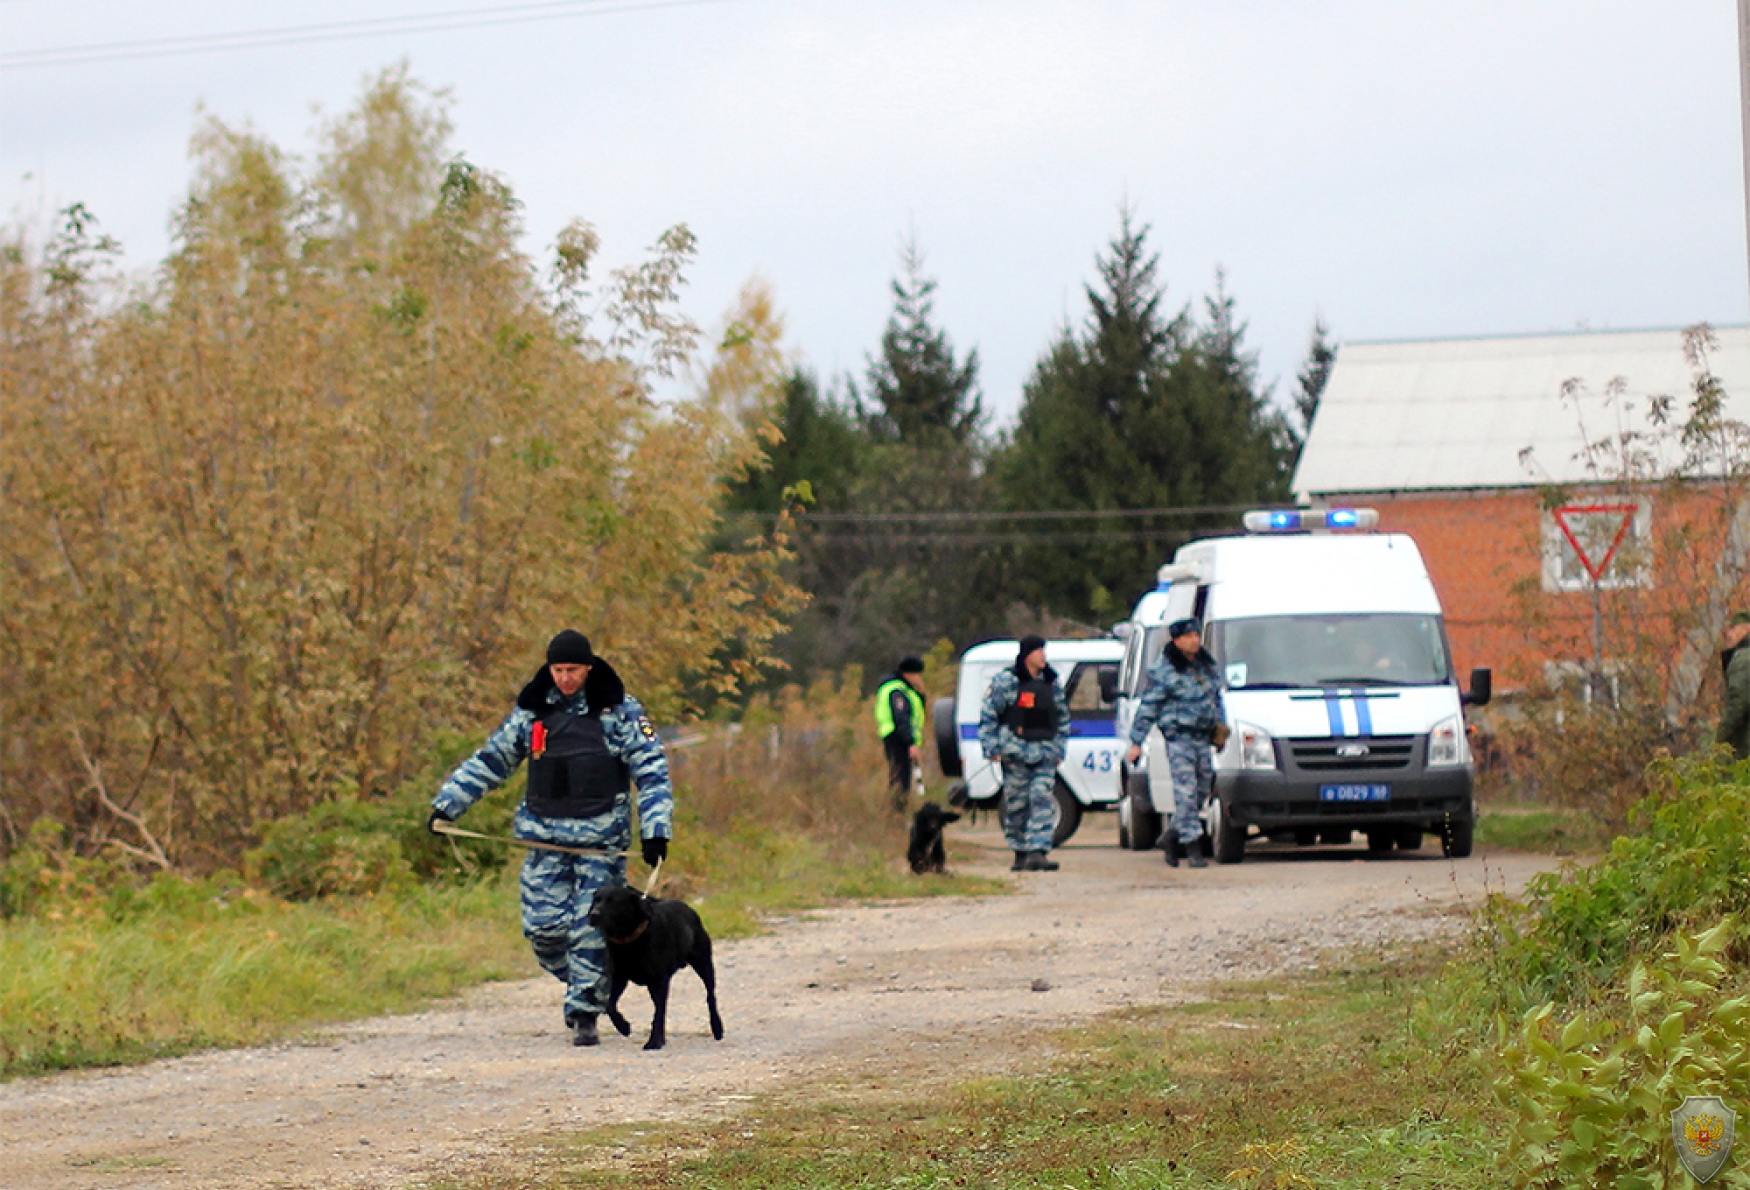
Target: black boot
(1196, 858)
(1040, 861)
(1170, 844)
(1020, 864)
(583, 1030)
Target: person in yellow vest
(899, 720)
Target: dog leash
(450, 828)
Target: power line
(1070, 514)
(438, 22)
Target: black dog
(649, 939)
(925, 853)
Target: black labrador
(925, 854)
(649, 939)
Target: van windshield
(1297, 652)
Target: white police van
(1088, 777)
(1345, 713)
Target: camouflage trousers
(1029, 812)
(1191, 764)
(556, 892)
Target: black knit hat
(570, 647)
(1183, 627)
(1028, 644)
(909, 665)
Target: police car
(1088, 777)
(1344, 710)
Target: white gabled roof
(1458, 413)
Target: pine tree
(918, 394)
(1321, 356)
(1138, 411)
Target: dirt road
(389, 1102)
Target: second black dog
(925, 854)
(649, 939)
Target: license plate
(1355, 793)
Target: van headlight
(1446, 743)
(1257, 749)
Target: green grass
(86, 990)
(1541, 830)
(1340, 1080)
(196, 965)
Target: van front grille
(1372, 753)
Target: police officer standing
(1025, 727)
(1183, 695)
(587, 743)
(899, 720)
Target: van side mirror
(1121, 630)
(1482, 688)
(1108, 685)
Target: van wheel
(1229, 837)
(947, 733)
(1456, 837)
(1069, 813)
(1138, 820)
(1381, 838)
(1409, 838)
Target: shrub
(1592, 1098)
(1687, 864)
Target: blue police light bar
(1310, 520)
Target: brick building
(1478, 448)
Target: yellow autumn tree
(322, 488)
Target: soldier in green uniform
(1735, 711)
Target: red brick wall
(1484, 553)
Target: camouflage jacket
(629, 736)
(1000, 742)
(1183, 696)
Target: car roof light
(1310, 520)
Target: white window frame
(1636, 548)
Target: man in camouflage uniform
(587, 742)
(1183, 696)
(1025, 727)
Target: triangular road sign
(1595, 567)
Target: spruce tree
(918, 394)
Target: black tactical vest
(1033, 715)
(575, 776)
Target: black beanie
(570, 647)
(1028, 644)
(909, 665)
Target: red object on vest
(1025, 700)
(538, 738)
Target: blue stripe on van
(1363, 716)
(1080, 729)
(1334, 709)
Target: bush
(1593, 1097)
(1686, 865)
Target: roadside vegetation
(352, 909)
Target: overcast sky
(1404, 168)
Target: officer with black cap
(588, 744)
(1025, 727)
(899, 721)
(1183, 696)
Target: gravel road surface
(394, 1101)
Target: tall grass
(234, 967)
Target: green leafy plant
(1592, 1096)
(1686, 865)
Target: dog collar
(633, 936)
